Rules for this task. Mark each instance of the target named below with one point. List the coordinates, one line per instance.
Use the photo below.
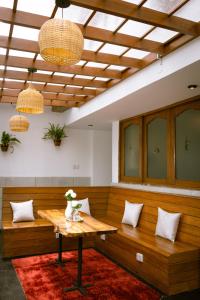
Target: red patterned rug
(42, 279)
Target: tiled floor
(10, 288)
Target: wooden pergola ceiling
(121, 37)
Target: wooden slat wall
(189, 227)
(53, 197)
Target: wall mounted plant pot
(57, 142)
(4, 148)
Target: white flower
(73, 195)
(68, 192)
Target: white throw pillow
(167, 224)
(22, 211)
(132, 213)
(85, 205)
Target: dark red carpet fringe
(42, 279)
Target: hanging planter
(56, 133)
(7, 140)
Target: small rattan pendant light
(61, 41)
(30, 101)
(18, 123)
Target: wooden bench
(171, 267)
(27, 238)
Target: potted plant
(7, 139)
(56, 133)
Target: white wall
(38, 157)
(102, 157)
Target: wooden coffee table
(89, 226)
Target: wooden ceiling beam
(20, 62)
(72, 103)
(53, 79)
(89, 32)
(32, 46)
(142, 14)
(51, 88)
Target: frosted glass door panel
(132, 150)
(188, 145)
(157, 149)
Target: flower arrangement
(71, 212)
(70, 195)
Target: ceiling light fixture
(61, 41)
(18, 123)
(192, 86)
(30, 101)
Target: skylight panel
(91, 45)
(6, 3)
(25, 33)
(4, 29)
(55, 84)
(75, 14)
(16, 80)
(21, 53)
(96, 65)
(81, 63)
(39, 57)
(133, 1)
(113, 49)
(116, 68)
(45, 72)
(2, 51)
(135, 28)
(16, 69)
(190, 11)
(161, 35)
(84, 77)
(134, 53)
(2, 67)
(63, 74)
(106, 21)
(36, 82)
(90, 88)
(35, 7)
(162, 6)
(102, 78)
(74, 86)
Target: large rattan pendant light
(30, 101)
(61, 41)
(18, 123)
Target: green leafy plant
(7, 139)
(55, 132)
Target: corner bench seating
(36, 237)
(171, 267)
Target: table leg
(78, 285)
(59, 260)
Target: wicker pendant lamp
(30, 101)
(61, 41)
(18, 123)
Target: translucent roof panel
(105, 21)
(96, 65)
(4, 29)
(102, 78)
(16, 80)
(21, 53)
(2, 51)
(39, 57)
(162, 5)
(133, 1)
(81, 63)
(25, 33)
(117, 68)
(55, 84)
(91, 45)
(134, 28)
(113, 49)
(74, 86)
(134, 53)
(7, 3)
(74, 13)
(161, 35)
(2, 67)
(35, 7)
(17, 69)
(44, 72)
(84, 77)
(190, 11)
(63, 74)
